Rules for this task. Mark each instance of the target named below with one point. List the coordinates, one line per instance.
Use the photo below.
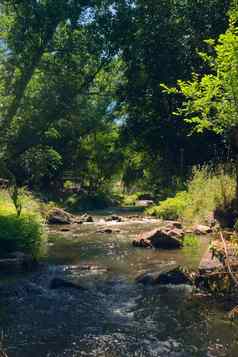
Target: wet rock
(174, 276)
(87, 267)
(17, 262)
(115, 218)
(202, 230)
(163, 238)
(59, 216)
(65, 230)
(173, 224)
(107, 231)
(59, 283)
(86, 218)
(134, 217)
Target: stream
(112, 316)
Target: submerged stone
(174, 276)
(86, 218)
(59, 283)
(115, 218)
(108, 231)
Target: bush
(171, 208)
(24, 233)
(130, 199)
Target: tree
(160, 46)
(59, 72)
(211, 100)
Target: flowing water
(113, 316)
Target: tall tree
(55, 59)
(160, 46)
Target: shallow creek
(113, 316)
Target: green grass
(25, 233)
(190, 241)
(207, 189)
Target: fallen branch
(227, 261)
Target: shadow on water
(113, 316)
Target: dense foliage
(162, 46)
(82, 101)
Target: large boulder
(174, 276)
(59, 216)
(164, 238)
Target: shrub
(171, 208)
(22, 233)
(130, 199)
(25, 232)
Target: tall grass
(25, 232)
(208, 189)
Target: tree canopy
(80, 90)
